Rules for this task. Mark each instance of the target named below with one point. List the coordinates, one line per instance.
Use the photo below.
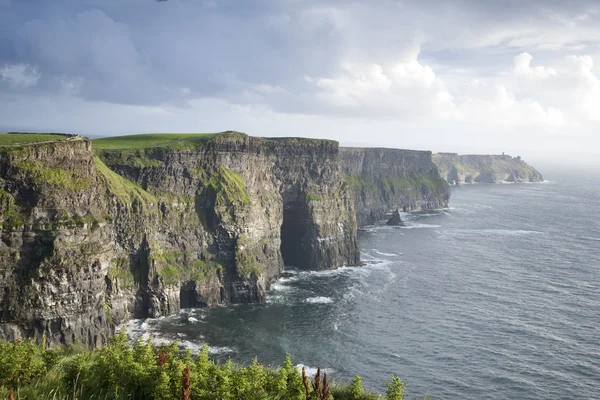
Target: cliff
(458, 169)
(140, 226)
(384, 180)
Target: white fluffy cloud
(20, 75)
(493, 103)
(404, 88)
(522, 66)
(555, 97)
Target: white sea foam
(591, 239)
(386, 254)
(319, 300)
(501, 232)
(192, 319)
(280, 286)
(312, 371)
(418, 226)
(220, 350)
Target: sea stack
(395, 220)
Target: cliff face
(89, 241)
(458, 169)
(383, 180)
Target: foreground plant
(144, 371)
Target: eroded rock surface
(384, 180)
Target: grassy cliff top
(17, 139)
(168, 140)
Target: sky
(468, 76)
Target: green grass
(15, 139)
(168, 140)
(123, 188)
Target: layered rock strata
(385, 180)
(91, 240)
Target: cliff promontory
(139, 226)
(386, 180)
(458, 169)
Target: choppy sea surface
(497, 297)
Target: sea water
(497, 297)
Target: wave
(418, 226)
(497, 232)
(381, 253)
(378, 228)
(145, 329)
(588, 238)
(319, 300)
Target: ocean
(497, 297)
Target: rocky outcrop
(395, 220)
(384, 180)
(459, 169)
(90, 240)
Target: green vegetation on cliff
(123, 188)
(417, 182)
(245, 257)
(172, 140)
(174, 273)
(60, 178)
(9, 211)
(144, 371)
(228, 186)
(120, 272)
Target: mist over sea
(497, 297)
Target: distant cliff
(93, 235)
(459, 169)
(384, 180)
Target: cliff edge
(459, 169)
(140, 226)
(384, 180)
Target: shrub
(395, 388)
(144, 371)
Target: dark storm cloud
(151, 52)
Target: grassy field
(152, 140)
(13, 139)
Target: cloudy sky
(464, 75)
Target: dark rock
(395, 220)
(90, 242)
